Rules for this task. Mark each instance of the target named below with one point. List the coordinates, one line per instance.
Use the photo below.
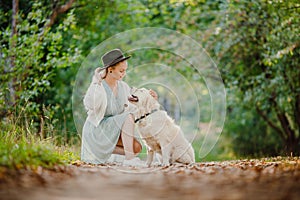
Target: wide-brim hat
(113, 57)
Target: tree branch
(55, 12)
(276, 128)
(59, 10)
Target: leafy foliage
(249, 134)
(38, 56)
(255, 44)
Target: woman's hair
(106, 71)
(113, 67)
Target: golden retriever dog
(159, 132)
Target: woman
(109, 127)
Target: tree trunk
(13, 37)
(271, 123)
(292, 144)
(286, 132)
(297, 114)
(290, 139)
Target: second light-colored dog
(159, 132)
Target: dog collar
(142, 117)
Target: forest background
(254, 43)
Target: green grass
(22, 149)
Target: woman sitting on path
(109, 127)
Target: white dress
(99, 142)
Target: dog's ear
(144, 103)
(150, 103)
(133, 90)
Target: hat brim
(115, 62)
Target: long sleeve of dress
(95, 101)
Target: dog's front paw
(148, 164)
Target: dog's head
(143, 100)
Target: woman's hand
(153, 93)
(103, 74)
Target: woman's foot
(135, 162)
(116, 158)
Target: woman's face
(119, 71)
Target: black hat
(113, 57)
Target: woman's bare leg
(127, 136)
(119, 150)
(137, 147)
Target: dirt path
(251, 179)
